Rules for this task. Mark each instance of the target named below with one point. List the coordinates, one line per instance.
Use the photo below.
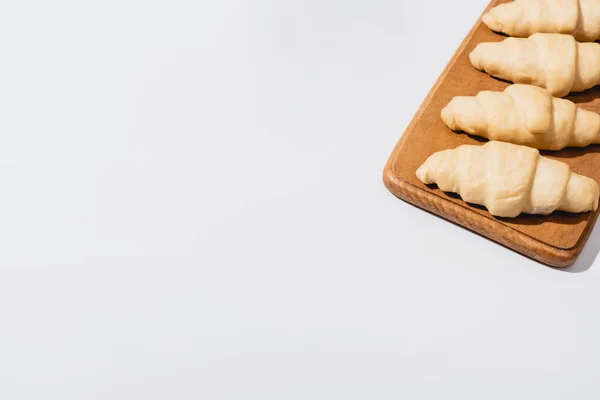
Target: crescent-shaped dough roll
(521, 18)
(549, 60)
(526, 115)
(509, 180)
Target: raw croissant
(526, 115)
(521, 18)
(549, 60)
(509, 180)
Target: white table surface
(192, 208)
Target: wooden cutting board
(556, 239)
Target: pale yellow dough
(553, 61)
(526, 115)
(509, 180)
(521, 18)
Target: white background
(192, 208)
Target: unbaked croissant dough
(526, 115)
(549, 60)
(521, 18)
(509, 180)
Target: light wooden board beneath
(556, 239)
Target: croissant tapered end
(477, 55)
(427, 172)
(422, 174)
(488, 55)
(491, 22)
(499, 17)
(423, 171)
(508, 18)
(581, 195)
(463, 113)
(497, 58)
(447, 115)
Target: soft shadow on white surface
(588, 255)
(584, 262)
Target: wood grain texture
(556, 239)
